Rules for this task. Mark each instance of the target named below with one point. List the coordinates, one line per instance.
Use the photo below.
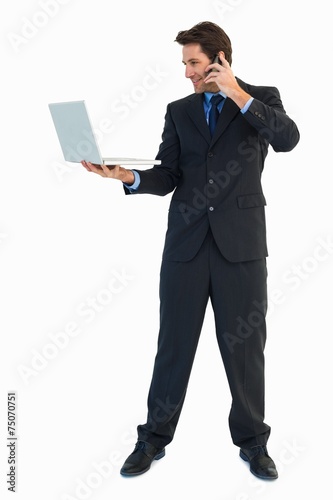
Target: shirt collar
(208, 96)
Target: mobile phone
(216, 60)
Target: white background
(64, 233)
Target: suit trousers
(238, 295)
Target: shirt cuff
(133, 187)
(247, 105)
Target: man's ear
(221, 55)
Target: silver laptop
(77, 138)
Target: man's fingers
(94, 167)
(211, 77)
(106, 169)
(84, 163)
(91, 167)
(102, 170)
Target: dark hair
(211, 38)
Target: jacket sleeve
(162, 179)
(268, 117)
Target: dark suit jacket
(217, 181)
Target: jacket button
(211, 181)
(210, 154)
(211, 209)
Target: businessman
(212, 154)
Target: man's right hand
(112, 171)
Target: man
(215, 245)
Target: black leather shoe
(261, 464)
(140, 460)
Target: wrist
(240, 97)
(128, 177)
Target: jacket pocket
(251, 200)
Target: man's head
(211, 38)
(201, 44)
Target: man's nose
(189, 72)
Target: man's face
(196, 62)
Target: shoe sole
(244, 457)
(157, 457)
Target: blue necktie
(214, 112)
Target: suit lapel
(228, 112)
(196, 112)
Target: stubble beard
(206, 87)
